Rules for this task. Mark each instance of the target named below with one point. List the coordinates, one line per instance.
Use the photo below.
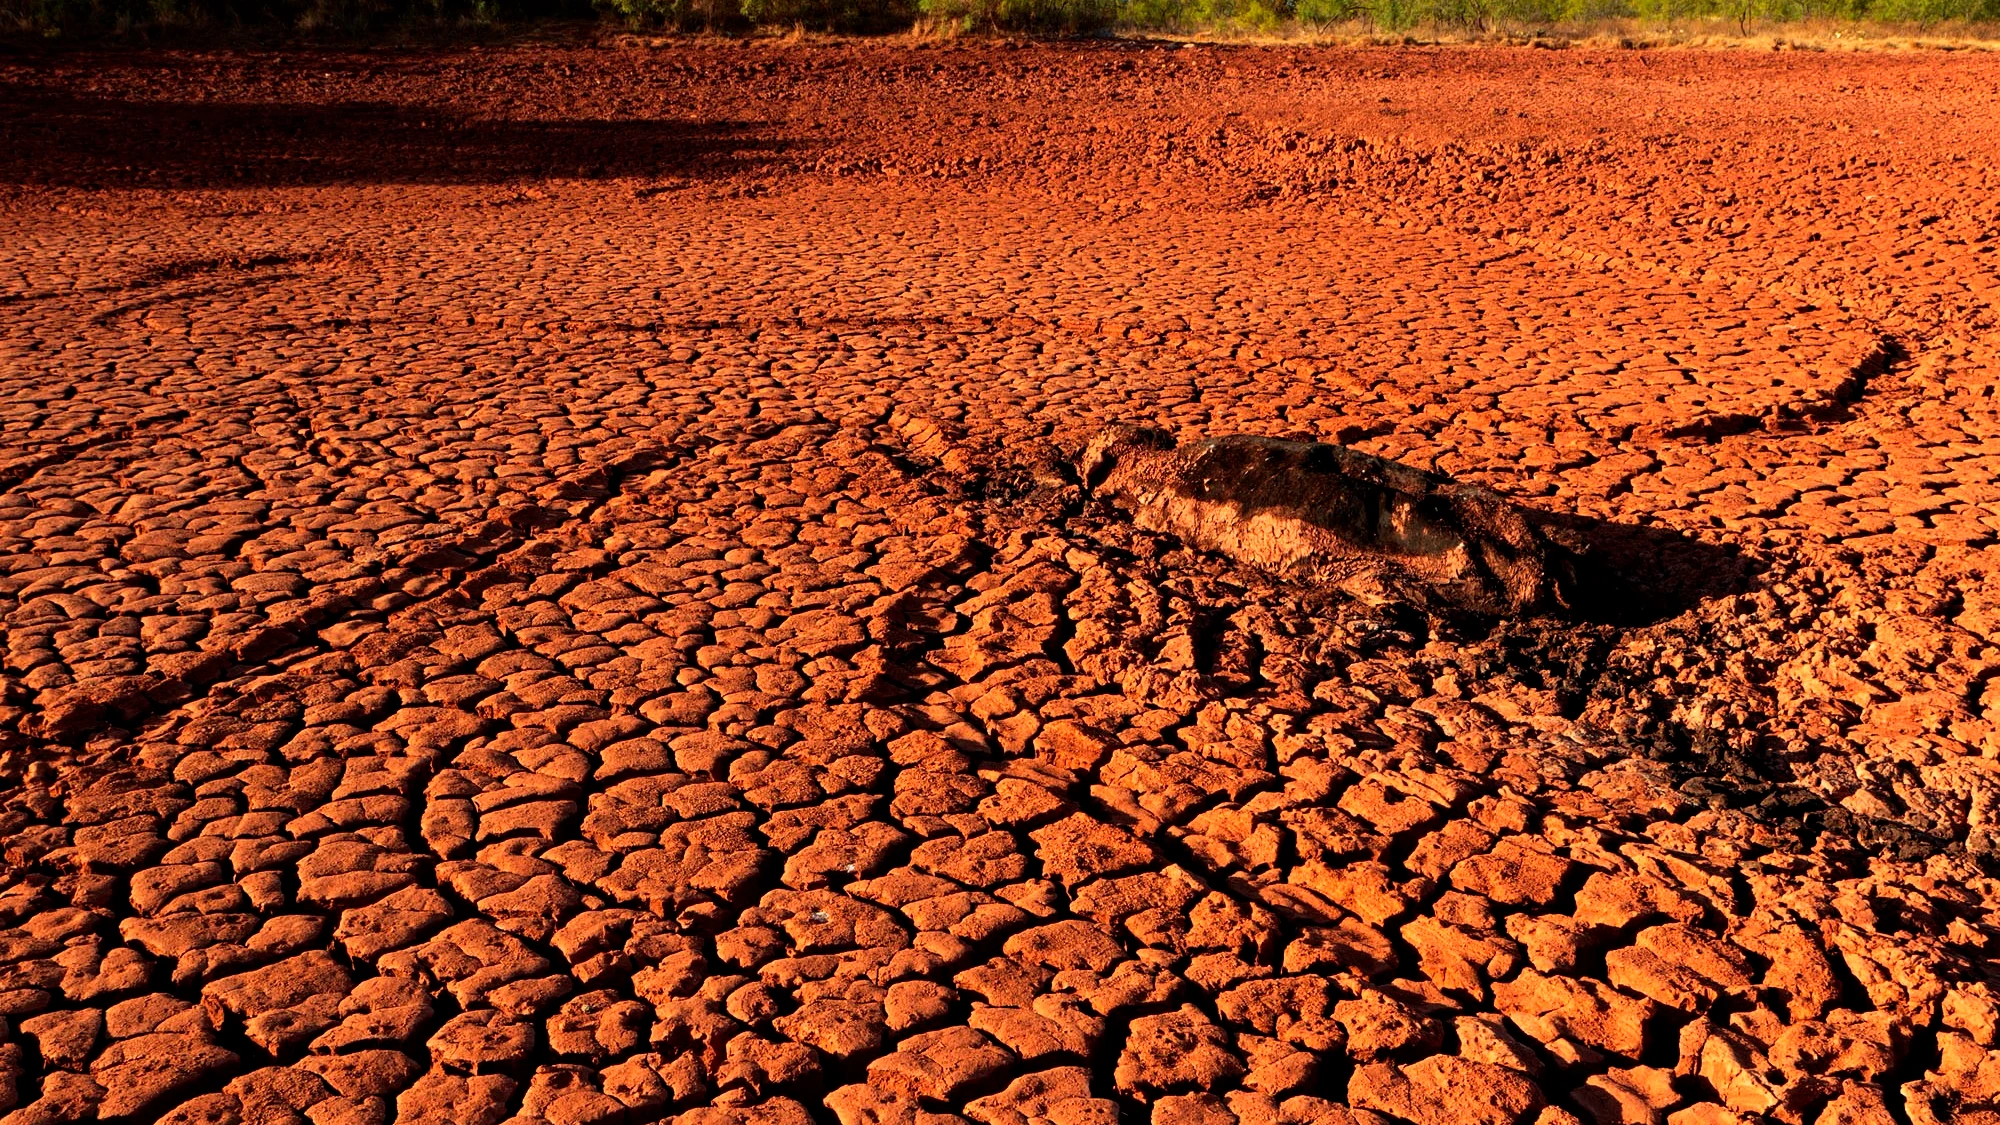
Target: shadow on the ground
(67, 139)
(1629, 575)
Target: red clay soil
(540, 585)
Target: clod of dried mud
(1326, 514)
(550, 585)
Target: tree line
(57, 19)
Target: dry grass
(1715, 33)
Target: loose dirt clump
(1326, 514)
(554, 585)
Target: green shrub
(1061, 17)
(674, 14)
(1473, 15)
(828, 15)
(55, 18)
(343, 18)
(1834, 9)
(1327, 11)
(1239, 15)
(1594, 10)
(1161, 14)
(1670, 10)
(1924, 13)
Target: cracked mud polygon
(553, 584)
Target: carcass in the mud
(1329, 514)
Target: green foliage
(341, 18)
(1327, 11)
(1061, 17)
(679, 15)
(1488, 15)
(828, 15)
(55, 18)
(1925, 13)
(654, 13)
(58, 18)
(1257, 16)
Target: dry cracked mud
(547, 585)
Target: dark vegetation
(150, 20)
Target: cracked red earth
(549, 585)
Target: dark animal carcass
(1320, 513)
